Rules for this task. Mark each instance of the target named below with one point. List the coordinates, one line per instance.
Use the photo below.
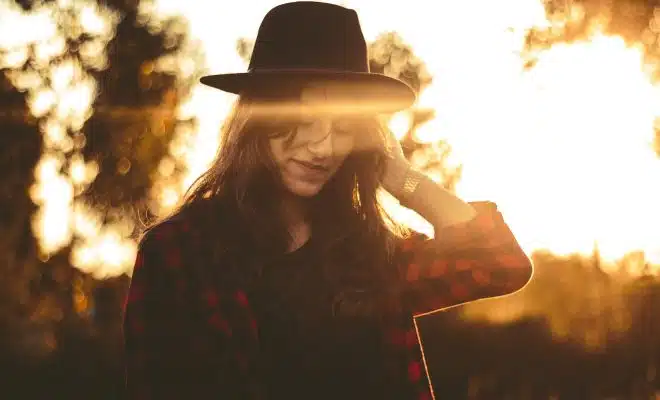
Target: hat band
(300, 55)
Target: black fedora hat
(308, 43)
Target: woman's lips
(310, 171)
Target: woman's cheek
(344, 145)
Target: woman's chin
(304, 188)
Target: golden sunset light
(144, 259)
(521, 135)
(516, 132)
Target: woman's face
(312, 153)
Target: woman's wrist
(410, 185)
(395, 174)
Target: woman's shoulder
(192, 217)
(195, 233)
(177, 230)
(170, 247)
(166, 230)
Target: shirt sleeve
(473, 260)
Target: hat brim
(378, 92)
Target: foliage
(44, 301)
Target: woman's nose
(320, 141)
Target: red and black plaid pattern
(464, 262)
(474, 260)
(186, 338)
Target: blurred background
(548, 108)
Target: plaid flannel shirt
(187, 339)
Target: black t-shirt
(307, 351)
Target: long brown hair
(238, 199)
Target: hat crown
(310, 35)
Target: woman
(281, 275)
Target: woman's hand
(396, 165)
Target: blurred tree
(151, 71)
(20, 267)
(141, 68)
(634, 20)
(390, 55)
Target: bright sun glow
(564, 148)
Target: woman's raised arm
(471, 260)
